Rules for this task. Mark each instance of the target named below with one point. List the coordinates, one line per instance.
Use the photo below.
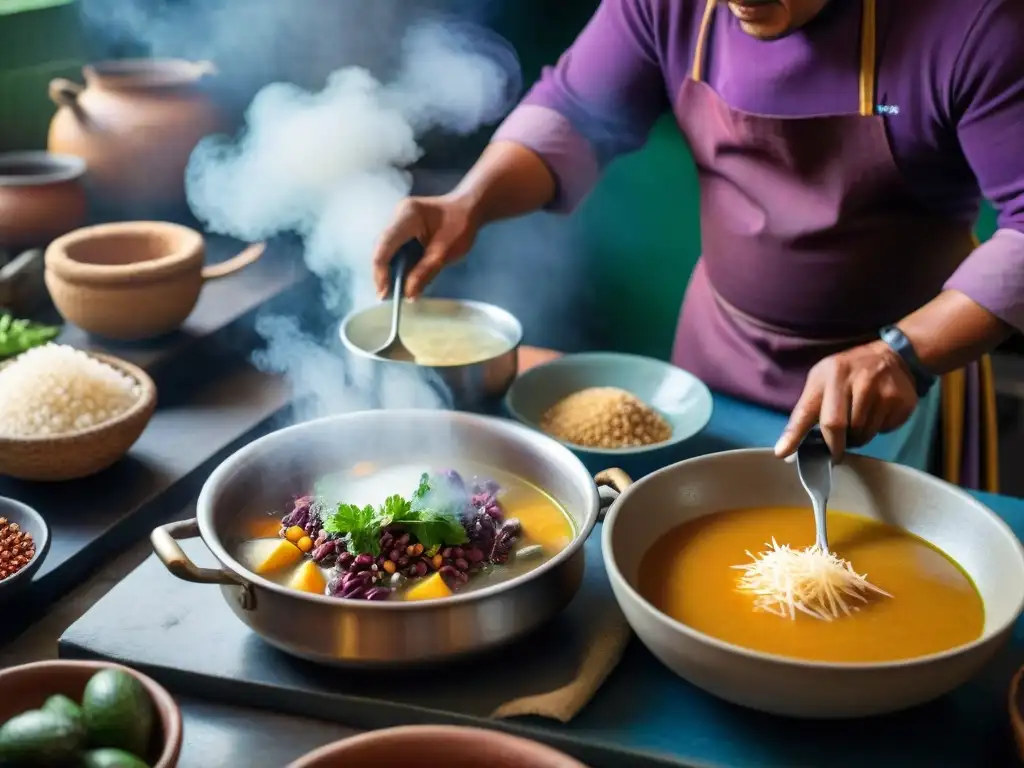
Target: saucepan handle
(165, 544)
(614, 479)
(235, 263)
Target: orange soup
(688, 574)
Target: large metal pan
(267, 473)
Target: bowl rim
(385, 734)
(63, 167)
(189, 247)
(549, 365)
(615, 574)
(228, 468)
(162, 699)
(145, 401)
(42, 548)
(482, 306)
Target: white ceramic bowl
(970, 533)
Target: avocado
(40, 738)
(111, 758)
(117, 712)
(62, 705)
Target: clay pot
(132, 280)
(41, 197)
(28, 686)
(135, 123)
(436, 746)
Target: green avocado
(62, 705)
(118, 712)
(111, 758)
(40, 738)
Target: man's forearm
(952, 330)
(508, 180)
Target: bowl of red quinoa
(24, 540)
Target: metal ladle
(407, 256)
(814, 465)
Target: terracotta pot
(41, 197)
(132, 280)
(135, 122)
(436, 746)
(28, 686)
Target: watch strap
(898, 342)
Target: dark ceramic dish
(31, 521)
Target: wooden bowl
(33, 524)
(28, 686)
(1016, 702)
(436, 746)
(79, 454)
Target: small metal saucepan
(478, 386)
(267, 473)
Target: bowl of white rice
(67, 414)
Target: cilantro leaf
(423, 488)
(359, 525)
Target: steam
(330, 166)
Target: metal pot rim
(506, 317)
(510, 429)
(617, 577)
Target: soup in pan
(408, 533)
(919, 601)
(444, 341)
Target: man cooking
(843, 148)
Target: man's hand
(853, 395)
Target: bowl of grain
(615, 409)
(67, 414)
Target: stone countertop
(215, 735)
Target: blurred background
(633, 243)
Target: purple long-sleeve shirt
(950, 88)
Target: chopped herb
(362, 526)
(423, 489)
(17, 336)
(358, 525)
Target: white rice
(56, 389)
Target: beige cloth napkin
(601, 655)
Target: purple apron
(811, 238)
(812, 242)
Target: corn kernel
(389, 566)
(305, 543)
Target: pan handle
(614, 479)
(165, 544)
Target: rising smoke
(330, 166)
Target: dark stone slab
(94, 519)
(185, 636)
(210, 399)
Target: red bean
(363, 561)
(474, 555)
(421, 569)
(461, 564)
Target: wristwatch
(900, 344)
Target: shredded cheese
(819, 584)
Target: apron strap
(867, 58)
(866, 79)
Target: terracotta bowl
(41, 197)
(88, 451)
(436, 746)
(133, 280)
(28, 686)
(1016, 702)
